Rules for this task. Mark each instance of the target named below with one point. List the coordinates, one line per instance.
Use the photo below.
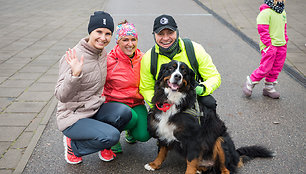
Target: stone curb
(27, 154)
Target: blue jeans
(102, 131)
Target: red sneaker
(107, 155)
(69, 155)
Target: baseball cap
(164, 21)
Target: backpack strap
(154, 57)
(192, 58)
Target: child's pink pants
(271, 64)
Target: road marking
(151, 14)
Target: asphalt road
(277, 124)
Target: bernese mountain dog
(181, 123)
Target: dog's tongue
(173, 86)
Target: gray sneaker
(248, 87)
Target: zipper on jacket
(115, 65)
(131, 62)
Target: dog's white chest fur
(165, 130)
(174, 96)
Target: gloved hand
(200, 89)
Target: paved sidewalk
(34, 35)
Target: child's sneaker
(248, 87)
(106, 155)
(129, 138)
(269, 90)
(117, 148)
(69, 155)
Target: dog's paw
(206, 163)
(148, 167)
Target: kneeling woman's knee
(118, 114)
(114, 139)
(111, 139)
(125, 112)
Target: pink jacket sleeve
(263, 30)
(286, 36)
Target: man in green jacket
(169, 46)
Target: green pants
(137, 126)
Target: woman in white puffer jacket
(89, 124)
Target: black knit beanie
(100, 19)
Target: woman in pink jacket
(272, 29)
(122, 82)
(88, 123)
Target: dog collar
(165, 107)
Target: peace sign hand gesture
(75, 64)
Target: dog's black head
(175, 84)
(177, 76)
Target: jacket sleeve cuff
(80, 76)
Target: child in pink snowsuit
(272, 28)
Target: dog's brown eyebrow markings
(174, 65)
(166, 78)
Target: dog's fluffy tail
(250, 152)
